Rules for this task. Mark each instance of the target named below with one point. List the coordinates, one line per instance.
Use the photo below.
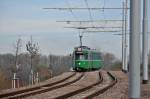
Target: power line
(68, 4)
(80, 21)
(91, 8)
(127, 34)
(90, 14)
(104, 5)
(89, 31)
(85, 27)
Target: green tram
(85, 59)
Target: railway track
(89, 80)
(101, 88)
(79, 85)
(22, 92)
(108, 80)
(88, 87)
(84, 88)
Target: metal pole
(31, 71)
(125, 39)
(80, 40)
(134, 69)
(145, 42)
(14, 81)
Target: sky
(23, 18)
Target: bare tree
(16, 66)
(18, 48)
(33, 50)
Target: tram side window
(96, 56)
(91, 56)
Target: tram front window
(80, 57)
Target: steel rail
(11, 93)
(65, 96)
(46, 89)
(91, 96)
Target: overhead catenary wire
(104, 5)
(80, 33)
(96, 27)
(106, 20)
(90, 13)
(79, 29)
(86, 8)
(99, 32)
(99, 2)
(71, 11)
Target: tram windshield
(81, 56)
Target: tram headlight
(79, 63)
